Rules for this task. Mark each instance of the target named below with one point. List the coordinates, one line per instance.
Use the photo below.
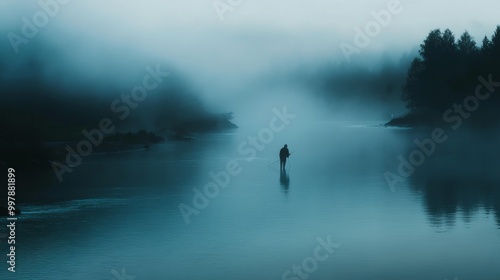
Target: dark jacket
(284, 153)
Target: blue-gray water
(120, 211)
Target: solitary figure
(284, 154)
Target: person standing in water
(284, 154)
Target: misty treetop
(38, 108)
(447, 72)
(49, 102)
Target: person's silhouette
(284, 154)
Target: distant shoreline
(40, 155)
(413, 120)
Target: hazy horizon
(238, 139)
(222, 58)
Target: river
(117, 216)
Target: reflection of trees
(461, 177)
(459, 181)
(444, 197)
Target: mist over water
(129, 216)
(222, 94)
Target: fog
(105, 45)
(248, 59)
(144, 136)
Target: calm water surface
(120, 211)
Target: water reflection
(351, 203)
(284, 180)
(446, 196)
(459, 181)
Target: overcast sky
(328, 21)
(255, 36)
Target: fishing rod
(280, 159)
(289, 162)
(273, 162)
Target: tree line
(447, 71)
